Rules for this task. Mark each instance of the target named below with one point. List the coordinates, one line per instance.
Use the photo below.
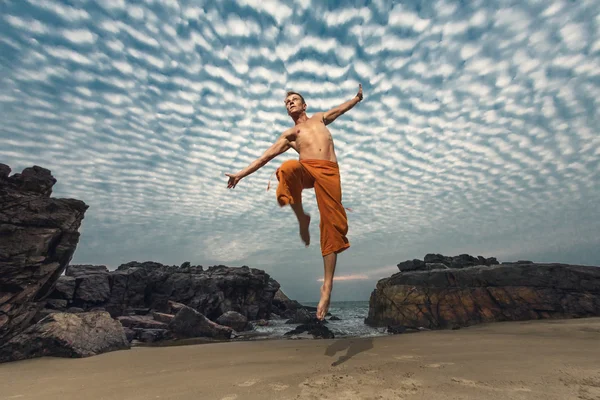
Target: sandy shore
(515, 360)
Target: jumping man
(317, 168)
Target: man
(316, 167)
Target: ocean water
(351, 324)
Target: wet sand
(555, 359)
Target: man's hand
(233, 180)
(359, 95)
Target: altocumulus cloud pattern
(478, 131)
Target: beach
(544, 359)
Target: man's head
(294, 104)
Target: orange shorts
(324, 176)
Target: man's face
(294, 104)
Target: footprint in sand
(248, 383)
(484, 385)
(407, 358)
(278, 387)
(438, 365)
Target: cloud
(477, 131)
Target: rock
(213, 292)
(233, 320)
(65, 288)
(84, 270)
(301, 316)
(92, 289)
(38, 236)
(450, 298)
(285, 307)
(260, 322)
(162, 317)
(75, 310)
(190, 323)
(67, 335)
(316, 329)
(141, 321)
(438, 261)
(151, 335)
(129, 333)
(56, 304)
(334, 318)
(174, 307)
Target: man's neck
(301, 118)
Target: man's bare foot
(323, 306)
(304, 233)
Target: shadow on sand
(354, 346)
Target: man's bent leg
(292, 180)
(329, 262)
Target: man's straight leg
(329, 262)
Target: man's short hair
(289, 93)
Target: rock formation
(67, 335)
(458, 295)
(38, 236)
(142, 287)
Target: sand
(553, 359)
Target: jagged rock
(449, 298)
(213, 292)
(85, 269)
(174, 307)
(233, 320)
(67, 335)
(56, 304)
(141, 321)
(92, 289)
(151, 335)
(129, 333)
(438, 261)
(334, 318)
(285, 307)
(190, 323)
(65, 288)
(302, 316)
(38, 236)
(75, 310)
(162, 317)
(316, 329)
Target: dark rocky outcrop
(157, 287)
(284, 307)
(38, 236)
(466, 295)
(67, 335)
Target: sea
(351, 324)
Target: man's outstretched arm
(280, 146)
(331, 115)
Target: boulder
(233, 320)
(162, 317)
(65, 288)
(438, 261)
(151, 335)
(141, 321)
(67, 335)
(38, 236)
(316, 329)
(189, 323)
(451, 298)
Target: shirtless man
(316, 167)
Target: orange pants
(324, 176)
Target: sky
(477, 133)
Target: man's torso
(312, 140)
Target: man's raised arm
(331, 115)
(280, 146)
